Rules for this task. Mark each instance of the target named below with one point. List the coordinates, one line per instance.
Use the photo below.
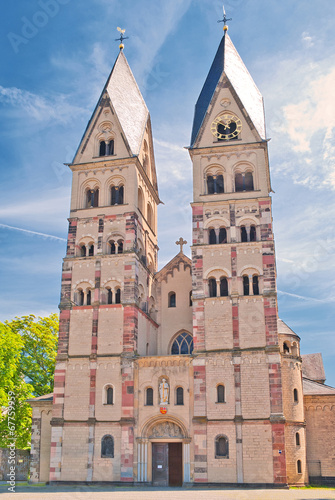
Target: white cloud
(307, 39)
(55, 108)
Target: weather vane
(122, 37)
(224, 21)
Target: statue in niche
(164, 392)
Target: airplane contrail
(32, 232)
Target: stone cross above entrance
(181, 242)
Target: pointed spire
(227, 61)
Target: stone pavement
(29, 492)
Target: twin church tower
(173, 376)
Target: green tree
(28, 348)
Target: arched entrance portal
(164, 453)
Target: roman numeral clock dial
(226, 127)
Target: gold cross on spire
(181, 242)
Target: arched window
(221, 447)
(220, 393)
(286, 348)
(212, 287)
(109, 296)
(91, 250)
(102, 149)
(215, 184)
(252, 233)
(244, 234)
(299, 468)
(295, 395)
(255, 285)
(212, 237)
(82, 251)
(297, 439)
(183, 344)
(149, 397)
(179, 396)
(117, 195)
(107, 447)
(210, 184)
(140, 200)
(223, 235)
(149, 215)
(92, 198)
(223, 287)
(88, 297)
(80, 295)
(118, 296)
(112, 247)
(120, 246)
(172, 299)
(238, 183)
(110, 396)
(245, 285)
(249, 181)
(244, 182)
(191, 302)
(110, 147)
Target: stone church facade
(186, 374)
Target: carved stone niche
(166, 430)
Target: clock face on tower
(226, 126)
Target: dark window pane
(299, 467)
(219, 184)
(89, 298)
(244, 234)
(121, 195)
(210, 184)
(110, 396)
(96, 198)
(183, 344)
(175, 348)
(107, 447)
(150, 397)
(120, 246)
(223, 235)
(102, 150)
(172, 300)
(212, 237)
(223, 287)
(83, 251)
(255, 287)
(238, 182)
(249, 181)
(111, 147)
(113, 248)
(252, 233)
(220, 393)
(222, 447)
(91, 251)
(109, 296)
(245, 285)
(212, 287)
(180, 396)
(295, 395)
(118, 296)
(80, 298)
(297, 439)
(184, 347)
(114, 193)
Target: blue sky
(56, 56)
